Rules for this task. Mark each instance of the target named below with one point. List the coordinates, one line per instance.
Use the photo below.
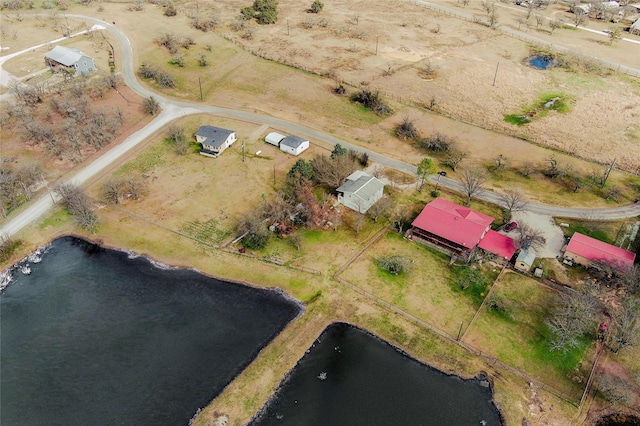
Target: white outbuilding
(274, 138)
(360, 191)
(294, 145)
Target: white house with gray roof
(360, 191)
(294, 145)
(73, 60)
(214, 140)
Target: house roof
(215, 135)
(636, 25)
(526, 256)
(293, 141)
(497, 243)
(599, 251)
(361, 184)
(274, 138)
(456, 223)
(64, 55)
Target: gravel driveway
(552, 232)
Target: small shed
(274, 138)
(294, 145)
(525, 259)
(635, 28)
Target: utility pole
(606, 174)
(496, 74)
(243, 151)
(274, 175)
(288, 33)
(200, 84)
(377, 37)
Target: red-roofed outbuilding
(499, 244)
(585, 250)
(451, 225)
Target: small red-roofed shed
(586, 251)
(498, 244)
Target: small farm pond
(350, 377)
(100, 337)
(542, 62)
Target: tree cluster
(297, 205)
(128, 187)
(162, 78)
(572, 318)
(16, 184)
(205, 23)
(67, 123)
(263, 11)
(79, 205)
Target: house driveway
(551, 232)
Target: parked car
(510, 226)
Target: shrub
(407, 130)
(395, 265)
(316, 6)
(437, 142)
(372, 101)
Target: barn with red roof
(451, 225)
(586, 251)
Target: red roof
(453, 222)
(497, 243)
(599, 251)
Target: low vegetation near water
(548, 102)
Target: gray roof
(361, 184)
(215, 135)
(526, 256)
(293, 141)
(636, 25)
(64, 55)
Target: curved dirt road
(172, 109)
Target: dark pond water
(93, 337)
(350, 377)
(542, 62)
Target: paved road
(172, 109)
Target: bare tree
(112, 191)
(614, 389)
(399, 217)
(500, 162)
(332, 171)
(133, 186)
(529, 236)
(579, 18)
(78, 204)
(572, 317)
(527, 168)
(614, 33)
(625, 330)
(380, 208)
(453, 158)
(151, 105)
(472, 181)
(395, 265)
(512, 201)
(554, 24)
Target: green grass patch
(59, 218)
(600, 230)
(517, 119)
(152, 157)
(548, 102)
(473, 282)
(516, 333)
(209, 231)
